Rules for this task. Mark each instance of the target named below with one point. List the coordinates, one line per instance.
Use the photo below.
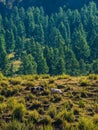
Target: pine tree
(80, 45)
(10, 41)
(42, 67)
(61, 66)
(28, 65)
(95, 66)
(3, 55)
(38, 34)
(71, 63)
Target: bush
(1, 76)
(19, 112)
(15, 125)
(58, 121)
(29, 84)
(48, 127)
(51, 80)
(76, 111)
(45, 100)
(3, 125)
(46, 120)
(29, 97)
(96, 108)
(84, 83)
(95, 119)
(35, 105)
(56, 98)
(15, 81)
(4, 83)
(7, 92)
(11, 103)
(2, 98)
(81, 104)
(41, 110)
(93, 77)
(84, 94)
(34, 116)
(86, 124)
(68, 116)
(64, 76)
(52, 111)
(68, 105)
(60, 86)
(2, 107)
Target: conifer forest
(48, 64)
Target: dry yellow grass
(79, 98)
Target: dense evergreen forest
(36, 40)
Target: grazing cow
(37, 89)
(58, 91)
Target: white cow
(55, 90)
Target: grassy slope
(80, 95)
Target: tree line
(65, 42)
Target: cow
(37, 89)
(56, 91)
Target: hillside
(50, 6)
(33, 42)
(76, 108)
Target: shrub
(7, 92)
(45, 76)
(3, 125)
(43, 83)
(29, 97)
(81, 104)
(93, 77)
(1, 110)
(45, 100)
(67, 89)
(11, 103)
(84, 83)
(41, 110)
(95, 119)
(15, 81)
(76, 111)
(34, 116)
(15, 125)
(60, 86)
(19, 112)
(86, 124)
(35, 105)
(46, 92)
(68, 116)
(4, 83)
(46, 120)
(1, 76)
(64, 76)
(84, 94)
(96, 108)
(57, 98)
(68, 105)
(29, 84)
(2, 107)
(52, 111)
(2, 98)
(48, 127)
(58, 121)
(51, 80)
